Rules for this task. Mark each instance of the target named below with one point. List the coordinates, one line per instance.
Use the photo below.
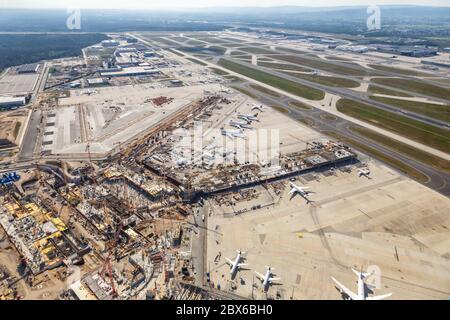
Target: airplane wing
(381, 297)
(356, 272)
(229, 261)
(274, 279)
(292, 191)
(243, 264)
(345, 289)
(259, 275)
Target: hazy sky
(173, 4)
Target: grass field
(217, 49)
(280, 109)
(231, 45)
(16, 129)
(264, 59)
(327, 81)
(306, 121)
(166, 41)
(282, 66)
(323, 65)
(175, 52)
(336, 58)
(197, 61)
(195, 43)
(248, 60)
(395, 163)
(242, 57)
(215, 40)
(380, 90)
(405, 72)
(256, 50)
(219, 72)
(246, 92)
(239, 53)
(278, 82)
(411, 152)
(416, 130)
(265, 90)
(300, 105)
(442, 81)
(233, 78)
(179, 39)
(328, 117)
(415, 86)
(436, 111)
(290, 50)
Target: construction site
(144, 185)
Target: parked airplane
(364, 173)
(240, 125)
(259, 108)
(236, 264)
(248, 118)
(233, 134)
(267, 279)
(363, 290)
(300, 190)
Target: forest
(17, 49)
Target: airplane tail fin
(358, 273)
(361, 273)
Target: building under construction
(223, 178)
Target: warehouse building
(130, 72)
(12, 102)
(110, 43)
(28, 68)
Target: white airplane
(267, 279)
(233, 134)
(300, 190)
(363, 293)
(240, 125)
(236, 264)
(364, 173)
(259, 108)
(248, 117)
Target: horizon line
(225, 6)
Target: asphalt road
(350, 94)
(343, 92)
(31, 136)
(34, 125)
(437, 180)
(198, 249)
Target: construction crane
(107, 269)
(88, 150)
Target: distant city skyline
(181, 4)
